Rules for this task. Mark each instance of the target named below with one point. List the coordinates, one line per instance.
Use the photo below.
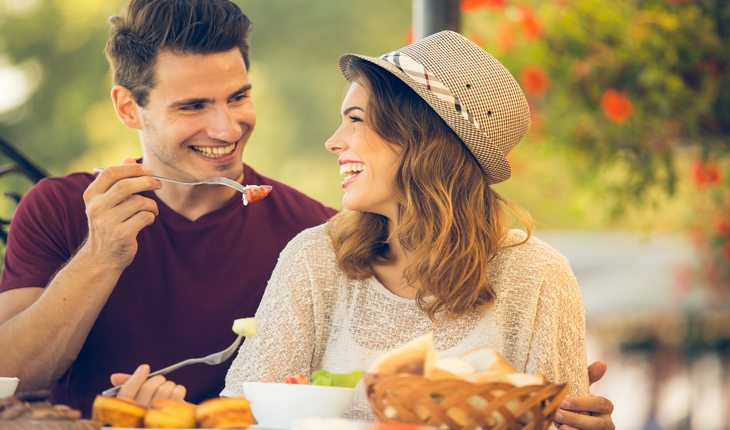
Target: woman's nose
(334, 144)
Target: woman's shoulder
(312, 235)
(313, 242)
(533, 251)
(531, 267)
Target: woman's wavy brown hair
(450, 222)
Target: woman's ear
(126, 107)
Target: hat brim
(491, 159)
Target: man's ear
(126, 107)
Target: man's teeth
(215, 151)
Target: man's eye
(239, 98)
(192, 107)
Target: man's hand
(117, 213)
(599, 409)
(138, 388)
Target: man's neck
(192, 202)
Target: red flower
(581, 69)
(683, 278)
(536, 124)
(476, 39)
(723, 225)
(706, 173)
(505, 37)
(616, 106)
(472, 5)
(530, 25)
(535, 80)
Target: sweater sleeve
(286, 330)
(557, 347)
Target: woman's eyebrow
(352, 108)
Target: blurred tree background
(630, 122)
(631, 101)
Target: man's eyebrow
(201, 100)
(240, 91)
(352, 108)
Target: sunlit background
(625, 169)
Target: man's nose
(225, 126)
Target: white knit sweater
(313, 316)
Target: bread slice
(415, 357)
(447, 368)
(487, 360)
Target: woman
(422, 244)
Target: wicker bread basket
(458, 404)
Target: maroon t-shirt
(180, 295)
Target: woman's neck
(391, 272)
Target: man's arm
(43, 329)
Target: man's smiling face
(199, 115)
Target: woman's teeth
(350, 170)
(215, 151)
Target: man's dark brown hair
(179, 26)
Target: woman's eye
(355, 119)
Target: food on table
(224, 413)
(170, 414)
(299, 378)
(414, 357)
(479, 365)
(219, 413)
(245, 327)
(327, 379)
(345, 380)
(116, 412)
(31, 409)
(479, 389)
(255, 193)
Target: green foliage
(68, 122)
(669, 59)
(636, 94)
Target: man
(105, 272)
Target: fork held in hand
(216, 180)
(212, 359)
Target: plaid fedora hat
(473, 92)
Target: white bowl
(7, 386)
(276, 405)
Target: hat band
(418, 73)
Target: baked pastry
(416, 357)
(224, 413)
(32, 410)
(170, 414)
(117, 412)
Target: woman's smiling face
(368, 161)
